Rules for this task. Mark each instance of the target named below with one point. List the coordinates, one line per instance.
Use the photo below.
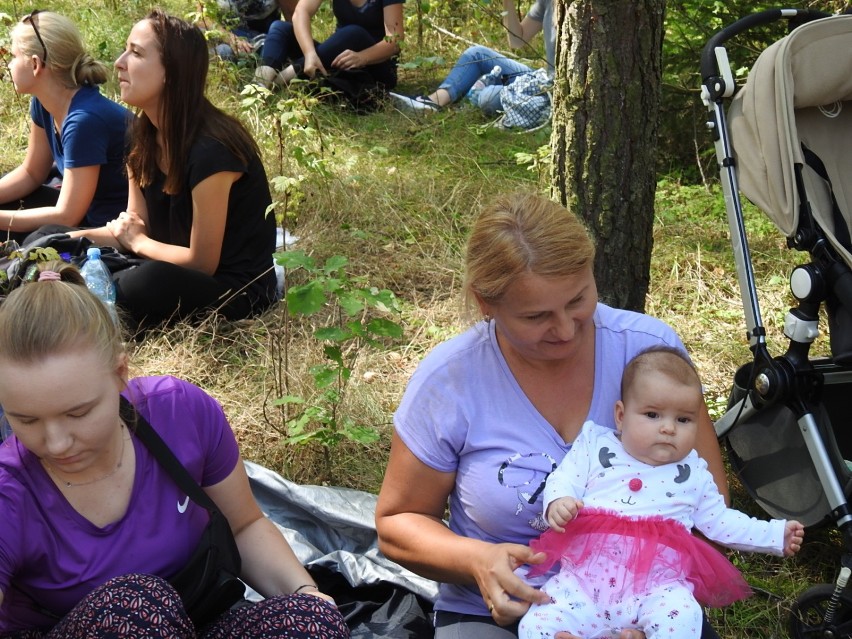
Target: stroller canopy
(798, 92)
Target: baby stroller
(784, 143)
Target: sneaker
(265, 76)
(419, 103)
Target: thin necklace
(69, 484)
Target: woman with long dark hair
(197, 209)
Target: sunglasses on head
(32, 19)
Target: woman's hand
(348, 60)
(313, 64)
(241, 45)
(126, 229)
(507, 596)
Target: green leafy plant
(291, 120)
(354, 317)
(538, 161)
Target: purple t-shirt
(464, 412)
(51, 557)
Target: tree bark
(604, 138)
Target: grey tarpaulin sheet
(332, 528)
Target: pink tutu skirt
(648, 546)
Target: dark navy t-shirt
(93, 133)
(370, 15)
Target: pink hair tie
(49, 276)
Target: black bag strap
(163, 454)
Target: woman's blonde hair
(522, 233)
(66, 54)
(50, 316)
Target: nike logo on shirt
(183, 506)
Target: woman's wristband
(303, 586)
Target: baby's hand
(794, 534)
(561, 511)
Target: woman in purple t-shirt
(94, 526)
(489, 414)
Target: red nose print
(635, 484)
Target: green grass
(396, 194)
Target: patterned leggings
(148, 607)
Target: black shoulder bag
(209, 584)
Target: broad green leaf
(297, 425)
(334, 264)
(294, 259)
(306, 299)
(356, 328)
(351, 302)
(361, 434)
(335, 355)
(332, 334)
(332, 285)
(384, 328)
(324, 376)
(302, 438)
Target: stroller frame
(791, 381)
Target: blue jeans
(281, 48)
(475, 62)
(248, 29)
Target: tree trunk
(604, 139)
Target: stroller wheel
(809, 612)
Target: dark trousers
(146, 606)
(153, 293)
(160, 292)
(281, 48)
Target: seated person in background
(91, 533)
(478, 61)
(621, 507)
(367, 37)
(73, 128)
(246, 23)
(197, 210)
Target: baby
(621, 506)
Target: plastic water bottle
(99, 280)
(492, 77)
